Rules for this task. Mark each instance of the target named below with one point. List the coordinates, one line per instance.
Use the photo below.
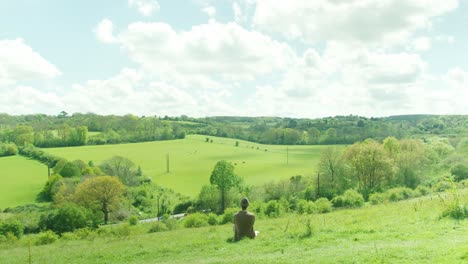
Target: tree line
(69, 130)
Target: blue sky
(234, 57)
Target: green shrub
(258, 208)
(301, 206)
(171, 223)
(464, 183)
(69, 236)
(85, 233)
(311, 207)
(67, 218)
(338, 201)
(133, 220)
(228, 216)
(196, 220)
(122, 231)
(423, 190)
(212, 219)
(157, 227)
(13, 227)
(272, 209)
(442, 186)
(460, 171)
(353, 199)
(323, 205)
(47, 237)
(456, 211)
(377, 198)
(70, 169)
(400, 193)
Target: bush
(464, 183)
(121, 231)
(460, 171)
(401, 193)
(13, 227)
(46, 238)
(272, 209)
(353, 199)
(8, 149)
(338, 201)
(157, 227)
(133, 220)
(85, 233)
(311, 207)
(456, 211)
(301, 206)
(323, 205)
(70, 169)
(69, 236)
(68, 218)
(171, 223)
(196, 220)
(442, 186)
(377, 198)
(212, 219)
(228, 216)
(423, 190)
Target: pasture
(192, 159)
(21, 180)
(405, 232)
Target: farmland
(21, 180)
(191, 160)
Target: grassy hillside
(21, 180)
(405, 232)
(192, 160)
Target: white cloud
(458, 78)
(422, 44)
(243, 10)
(104, 31)
(131, 92)
(210, 11)
(27, 100)
(19, 62)
(226, 52)
(366, 21)
(145, 7)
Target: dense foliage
(72, 130)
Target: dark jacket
(243, 225)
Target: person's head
(244, 203)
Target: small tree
(102, 193)
(121, 167)
(224, 178)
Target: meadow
(192, 159)
(21, 180)
(410, 231)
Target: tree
(370, 165)
(224, 178)
(102, 193)
(392, 146)
(70, 169)
(67, 218)
(460, 171)
(121, 167)
(332, 172)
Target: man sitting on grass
(244, 222)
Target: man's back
(243, 225)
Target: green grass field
(21, 180)
(192, 160)
(404, 232)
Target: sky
(294, 58)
